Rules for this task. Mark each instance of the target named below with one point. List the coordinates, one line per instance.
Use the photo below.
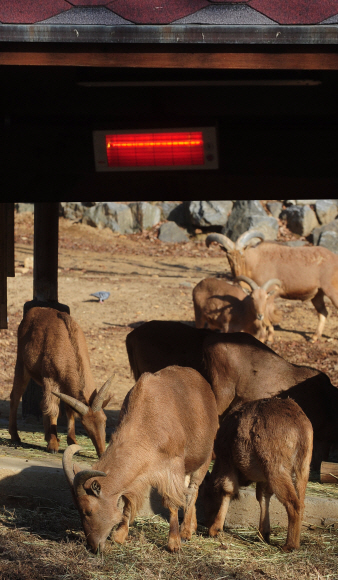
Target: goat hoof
(174, 545)
(213, 532)
(52, 450)
(287, 548)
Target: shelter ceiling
(222, 12)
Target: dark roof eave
(171, 34)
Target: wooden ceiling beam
(197, 58)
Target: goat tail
(132, 358)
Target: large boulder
(329, 240)
(248, 214)
(300, 219)
(116, 216)
(326, 210)
(300, 201)
(171, 232)
(209, 213)
(317, 232)
(24, 207)
(275, 208)
(145, 215)
(72, 210)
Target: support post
(45, 284)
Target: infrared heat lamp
(160, 149)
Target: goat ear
(272, 292)
(96, 488)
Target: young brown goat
(166, 432)
(52, 350)
(267, 441)
(223, 306)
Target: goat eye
(88, 513)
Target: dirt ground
(147, 279)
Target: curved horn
(244, 239)
(79, 407)
(271, 282)
(251, 283)
(225, 242)
(81, 478)
(101, 395)
(67, 462)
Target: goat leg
(71, 439)
(51, 436)
(189, 524)
(174, 543)
(218, 524)
(263, 495)
(318, 303)
(21, 378)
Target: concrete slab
(28, 483)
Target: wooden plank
(328, 472)
(184, 60)
(10, 239)
(3, 267)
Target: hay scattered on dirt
(35, 545)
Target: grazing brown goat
(52, 350)
(268, 442)
(306, 273)
(166, 432)
(223, 306)
(239, 368)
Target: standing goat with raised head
(306, 273)
(239, 368)
(228, 308)
(52, 350)
(166, 432)
(268, 442)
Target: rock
(209, 213)
(116, 216)
(295, 243)
(145, 215)
(317, 232)
(175, 212)
(275, 208)
(329, 240)
(300, 219)
(23, 207)
(326, 210)
(171, 232)
(300, 201)
(249, 214)
(167, 207)
(72, 210)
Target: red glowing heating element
(155, 149)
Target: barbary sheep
(52, 350)
(166, 432)
(223, 306)
(239, 368)
(306, 272)
(268, 442)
